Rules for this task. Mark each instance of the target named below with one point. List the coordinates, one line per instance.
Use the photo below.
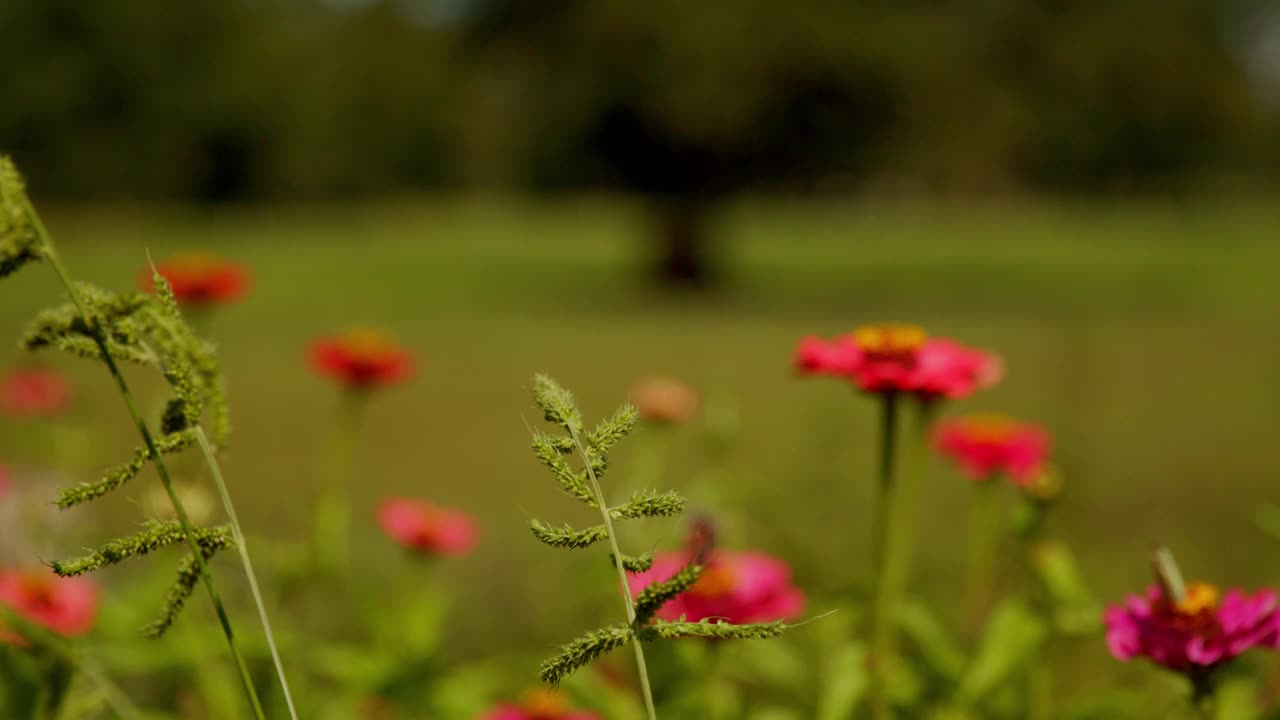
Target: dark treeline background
(244, 99)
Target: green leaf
(844, 682)
(935, 645)
(1014, 636)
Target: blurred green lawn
(1144, 335)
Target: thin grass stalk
(899, 549)
(641, 668)
(215, 469)
(162, 470)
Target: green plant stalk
(641, 668)
(51, 255)
(899, 548)
(332, 521)
(215, 469)
(985, 531)
(884, 487)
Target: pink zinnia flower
(425, 527)
(1195, 633)
(741, 587)
(538, 705)
(664, 400)
(200, 280)
(67, 606)
(886, 359)
(361, 359)
(34, 391)
(989, 444)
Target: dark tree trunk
(684, 255)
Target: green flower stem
(215, 469)
(51, 254)
(895, 567)
(985, 530)
(332, 521)
(884, 489)
(641, 668)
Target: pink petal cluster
(987, 445)
(1196, 633)
(741, 587)
(538, 705)
(425, 527)
(33, 392)
(900, 359)
(67, 606)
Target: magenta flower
(885, 359)
(987, 445)
(538, 705)
(1196, 633)
(427, 528)
(740, 587)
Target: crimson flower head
(538, 705)
(361, 359)
(427, 528)
(201, 280)
(67, 606)
(664, 400)
(888, 358)
(987, 445)
(1194, 633)
(741, 587)
(29, 392)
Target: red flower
(361, 359)
(741, 587)
(201, 280)
(665, 400)
(899, 358)
(33, 391)
(538, 705)
(1196, 632)
(988, 444)
(67, 606)
(423, 526)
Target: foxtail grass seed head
(581, 480)
(19, 242)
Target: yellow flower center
(989, 426)
(1200, 597)
(543, 704)
(889, 341)
(716, 581)
(366, 344)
